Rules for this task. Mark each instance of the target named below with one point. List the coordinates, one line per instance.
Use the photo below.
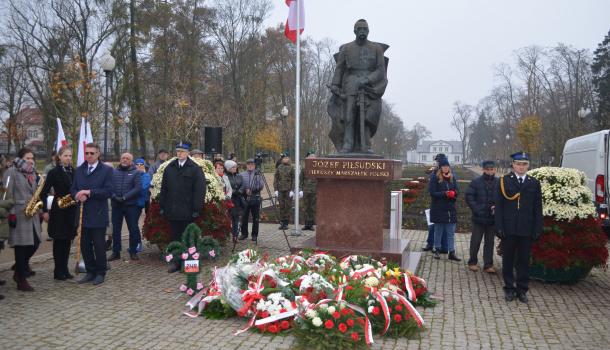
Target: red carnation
(285, 270)
(398, 307)
(329, 324)
(284, 324)
(345, 312)
(349, 288)
(361, 321)
(355, 336)
(264, 314)
(397, 318)
(376, 311)
(297, 283)
(336, 315)
(350, 322)
(342, 328)
(273, 328)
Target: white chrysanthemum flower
(371, 282)
(371, 309)
(316, 322)
(214, 189)
(311, 313)
(331, 310)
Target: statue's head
(361, 29)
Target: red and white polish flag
(291, 23)
(84, 138)
(61, 138)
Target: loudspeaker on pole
(213, 140)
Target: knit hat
(229, 164)
(443, 162)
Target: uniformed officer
(308, 192)
(283, 183)
(518, 218)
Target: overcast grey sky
(443, 51)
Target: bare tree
(461, 121)
(13, 88)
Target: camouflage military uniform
(308, 186)
(283, 183)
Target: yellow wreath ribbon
(517, 196)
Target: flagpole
(297, 139)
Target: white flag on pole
(61, 138)
(84, 138)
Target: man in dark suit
(518, 218)
(92, 186)
(182, 193)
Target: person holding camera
(283, 183)
(182, 193)
(252, 183)
(443, 190)
(480, 197)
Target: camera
(258, 159)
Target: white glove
(300, 194)
(276, 194)
(291, 194)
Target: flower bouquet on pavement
(323, 302)
(572, 242)
(190, 252)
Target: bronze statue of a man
(358, 84)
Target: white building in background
(426, 150)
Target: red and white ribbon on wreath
(378, 295)
(339, 292)
(420, 281)
(364, 272)
(278, 317)
(249, 325)
(296, 259)
(200, 301)
(405, 302)
(409, 287)
(368, 330)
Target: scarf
(26, 169)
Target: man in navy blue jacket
(126, 191)
(92, 186)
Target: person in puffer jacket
(127, 187)
(443, 190)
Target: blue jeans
(430, 241)
(131, 213)
(449, 231)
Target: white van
(589, 153)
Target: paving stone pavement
(139, 307)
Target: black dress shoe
(99, 279)
(522, 297)
(88, 278)
(108, 245)
(509, 295)
(436, 254)
(69, 275)
(133, 256)
(242, 237)
(114, 257)
(60, 277)
(427, 248)
(453, 257)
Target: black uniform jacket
(521, 216)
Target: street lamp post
(484, 153)
(107, 62)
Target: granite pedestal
(350, 207)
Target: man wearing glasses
(92, 186)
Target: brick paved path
(139, 308)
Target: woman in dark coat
(443, 190)
(236, 198)
(61, 221)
